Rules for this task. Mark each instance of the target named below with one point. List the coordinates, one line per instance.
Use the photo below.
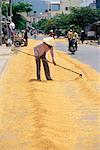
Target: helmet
(51, 30)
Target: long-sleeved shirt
(42, 48)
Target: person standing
(26, 37)
(82, 36)
(40, 54)
(52, 34)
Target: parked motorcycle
(19, 43)
(73, 46)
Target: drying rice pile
(48, 115)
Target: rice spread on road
(48, 115)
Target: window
(66, 8)
(55, 7)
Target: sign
(91, 33)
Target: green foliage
(83, 16)
(41, 25)
(78, 19)
(5, 9)
(17, 8)
(19, 21)
(51, 24)
(21, 7)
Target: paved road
(88, 54)
(4, 56)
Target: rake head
(80, 75)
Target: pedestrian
(52, 34)
(26, 37)
(40, 54)
(82, 38)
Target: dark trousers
(45, 65)
(69, 43)
(26, 41)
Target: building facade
(63, 6)
(67, 4)
(54, 8)
(93, 4)
(98, 4)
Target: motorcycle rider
(52, 34)
(82, 38)
(69, 35)
(72, 35)
(75, 37)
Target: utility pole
(10, 10)
(0, 22)
(10, 17)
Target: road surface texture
(4, 57)
(48, 115)
(88, 54)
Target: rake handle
(65, 68)
(52, 63)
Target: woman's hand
(54, 62)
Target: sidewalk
(4, 57)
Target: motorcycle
(19, 43)
(73, 46)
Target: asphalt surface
(87, 54)
(4, 57)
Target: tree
(17, 8)
(41, 25)
(83, 16)
(5, 9)
(21, 7)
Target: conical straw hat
(50, 41)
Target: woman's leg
(46, 67)
(38, 67)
